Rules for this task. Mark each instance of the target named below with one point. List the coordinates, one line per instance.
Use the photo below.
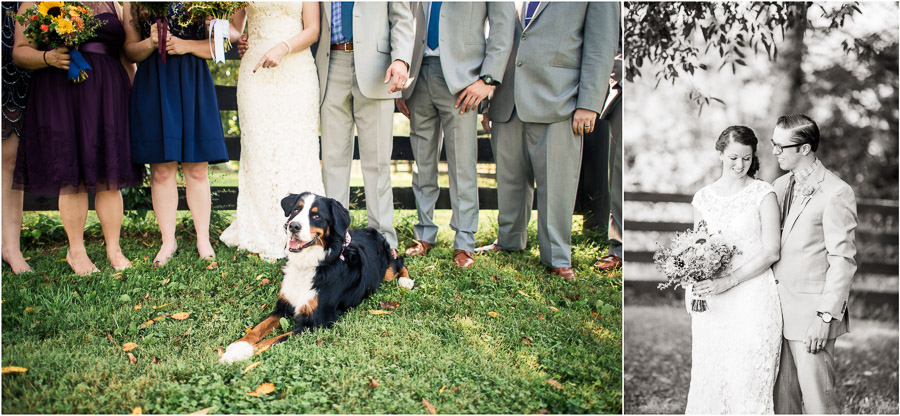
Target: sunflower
(51, 8)
(64, 26)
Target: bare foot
(118, 260)
(165, 253)
(205, 250)
(80, 263)
(16, 262)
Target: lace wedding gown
(279, 117)
(737, 341)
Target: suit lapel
(818, 176)
(327, 8)
(540, 8)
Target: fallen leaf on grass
(263, 306)
(263, 282)
(166, 281)
(527, 340)
(253, 255)
(221, 351)
(128, 346)
(523, 294)
(252, 366)
(553, 309)
(260, 276)
(204, 411)
(263, 389)
(541, 316)
(137, 411)
(380, 312)
(29, 309)
(132, 358)
(161, 306)
(137, 307)
(554, 383)
(212, 266)
(35, 324)
(155, 360)
(117, 275)
(180, 315)
(442, 389)
(373, 384)
(429, 407)
(319, 342)
(13, 369)
(494, 314)
(151, 322)
(453, 390)
(432, 267)
(389, 305)
(261, 349)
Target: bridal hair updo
(741, 135)
(803, 129)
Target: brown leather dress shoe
(464, 259)
(420, 249)
(564, 272)
(610, 262)
(490, 248)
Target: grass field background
(658, 362)
(503, 337)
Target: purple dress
(78, 135)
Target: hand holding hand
(401, 105)
(399, 73)
(243, 45)
(583, 121)
(273, 57)
(817, 336)
(713, 286)
(473, 95)
(57, 58)
(486, 123)
(154, 36)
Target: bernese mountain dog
(329, 269)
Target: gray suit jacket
(382, 33)
(560, 62)
(465, 54)
(817, 254)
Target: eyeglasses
(779, 149)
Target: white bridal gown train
(736, 343)
(279, 117)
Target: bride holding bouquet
(736, 341)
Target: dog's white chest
(299, 272)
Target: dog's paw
(238, 351)
(405, 283)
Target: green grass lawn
(658, 362)
(553, 346)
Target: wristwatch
(489, 80)
(826, 317)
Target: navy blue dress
(174, 111)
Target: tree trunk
(787, 97)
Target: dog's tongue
(295, 244)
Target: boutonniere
(807, 191)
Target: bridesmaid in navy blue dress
(174, 119)
(15, 90)
(77, 137)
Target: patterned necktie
(347, 20)
(788, 200)
(433, 25)
(529, 11)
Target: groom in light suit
(454, 69)
(555, 84)
(815, 271)
(362, 58)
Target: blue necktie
(347, 20)
(529, 11)
(433, 25)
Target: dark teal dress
(174, 111)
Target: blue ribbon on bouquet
(77, 66)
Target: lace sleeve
(699, 198)
(762, 188)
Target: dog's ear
(288, 203)
(341, 218)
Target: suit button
(519, 63)
(523, 37)
(776, 281)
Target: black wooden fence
(592, 199)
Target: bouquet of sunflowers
(693, 256)
(219, 12)
(56, 24)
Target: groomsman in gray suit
(555, 85)
(454, 69)
(363, 59)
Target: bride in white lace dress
(278, 107)
(737, 341)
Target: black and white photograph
(761, 214)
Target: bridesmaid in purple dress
(77, 141)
